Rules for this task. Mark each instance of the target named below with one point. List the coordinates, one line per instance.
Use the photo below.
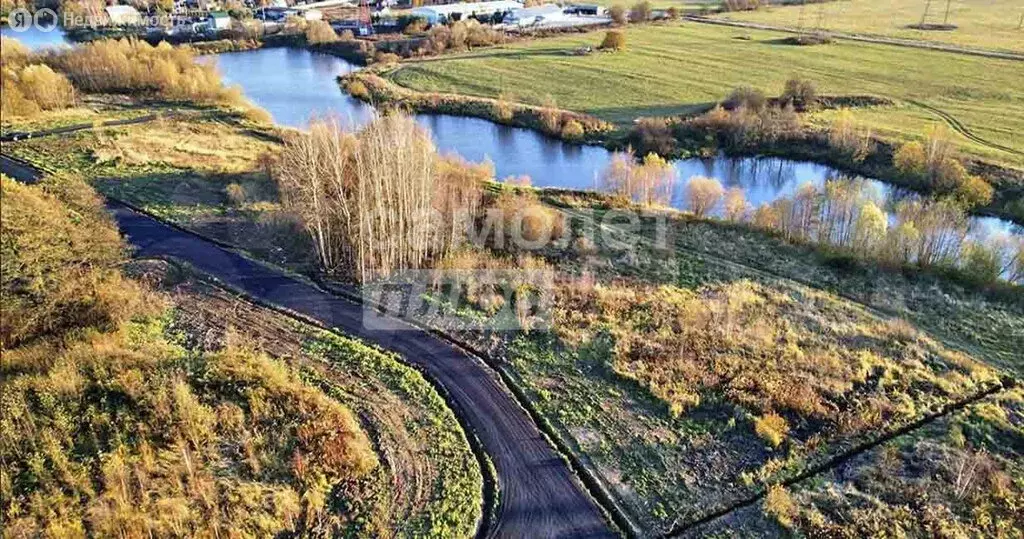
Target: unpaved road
(538, 494)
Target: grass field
(676, 69)
(597, 377)
(984, 24)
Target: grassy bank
(985, 24)
(571, 126)
(680, 69)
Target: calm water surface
(295, 85)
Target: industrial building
(462, 10)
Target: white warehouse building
(526, 16)
(463, 10)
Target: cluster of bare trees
(848, 216)
(378, 200)
(935, 164)
(649, 182)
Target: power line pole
(924, 16)
(945, 20)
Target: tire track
(962, 129)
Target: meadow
(983, 24)
(679, 69)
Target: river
(294, 85)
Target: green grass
(986, 24)
(676, 69)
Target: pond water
(295, 85)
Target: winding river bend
(295, 85)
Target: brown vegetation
(614, 40)
(30, 87)
(649, 182)
(640, 12)
(318, 32)
(936, 165)
(60, 263)
(805, 354)
(375, 201)
(703, 195)
(135, 67)
(618, 14)
(112, 429)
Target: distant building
(219, 20)
(585, 9)
(535, 15)
(463, 10)
(123, 15)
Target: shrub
(849, 139)
(703, 195)
(318, 32)
(550, 116)
(744, 96)
(527, 223)
(236, 194)
(909, 159)
(358, 90)
(652, 135)
(572, 130)
(135, 67)
(13, 102)
(640, 12)
(618, 15)
(648, 183)
(385, 58)
(779, 505)
(614, 40)
(673, 13)
(735, 204)
(13, 54)
(800, 93)
(772, 428)
(982, 263)
(503, 111)
(61, 256)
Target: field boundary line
(1006, 384)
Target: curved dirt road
(538, 494)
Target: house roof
(468, 7)
(219, 15)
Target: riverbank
(371, 86)
(678, 138)
(675, 70)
